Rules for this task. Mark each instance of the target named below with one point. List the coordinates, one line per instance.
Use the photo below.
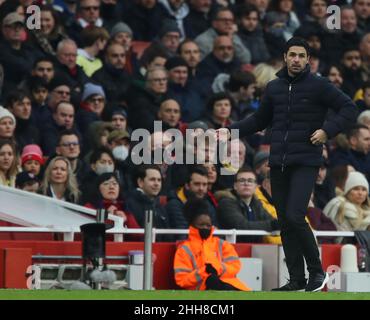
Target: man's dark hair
(187, 40)
(15, 96)
(217, 97)
(68, 132)
(298, 42)
(36, 82)
(198, 169)
(245, 9)
(216, 12)
(240, 79)
(244, 169)
(97, 153)
(142, 169)
(42, 59)
(354, 130)
(194, 208)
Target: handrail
(230, 234)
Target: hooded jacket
(193, 254)
(296, 109)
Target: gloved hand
(210, 269)
(275, 225)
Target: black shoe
(317, 282)
(292, 286)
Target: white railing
(230, 235)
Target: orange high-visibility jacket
(193, 254)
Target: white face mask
(104, 168)
(120, 153)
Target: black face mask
(204, 233)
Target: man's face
(119, 122)
(60, 93)
(224, 23)
(116, 56)
(335, 77)
(365, 46)
(179, 75)
(352, 60)
(67, 55)
(250, 22)
(245, 185)
(64, 115)
(69, 147)
(361, 143)
(157, 81)
(39, 95)
(152, 183)
(22, 109)
(124, 39)
(223, 49)
(362, 9)
(348, 20)
(198, 185)
(171, 40)
(96, 104)
(44, 69)
(191, 54)
(169, 112)
(13, 32)
(90, 10)
(296, 59)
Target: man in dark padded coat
(295, 106)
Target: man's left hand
(319, 137)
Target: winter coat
(232, 214)
(137, 203)
(255, 42)
(192, 256)
(115, 83)
(296, 110)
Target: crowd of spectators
(74, 91)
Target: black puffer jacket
(295, 110)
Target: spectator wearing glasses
(239, 208)
(88, 15)
(59, 181)
(107, 194)
(222, 24)
(112, 76)
(144, 103)
(69, 146)
(92, 107)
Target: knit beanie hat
(120, 27)
(32, 152)
(91, 89)
(259, 158)
(174, 62)
(355, 179)
(168, 26)
(5, 113)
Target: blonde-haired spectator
(8, 163)
(59, 181)
(351, 211)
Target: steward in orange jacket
(203, 261)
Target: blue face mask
(204, 233)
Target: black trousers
(291, 191)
